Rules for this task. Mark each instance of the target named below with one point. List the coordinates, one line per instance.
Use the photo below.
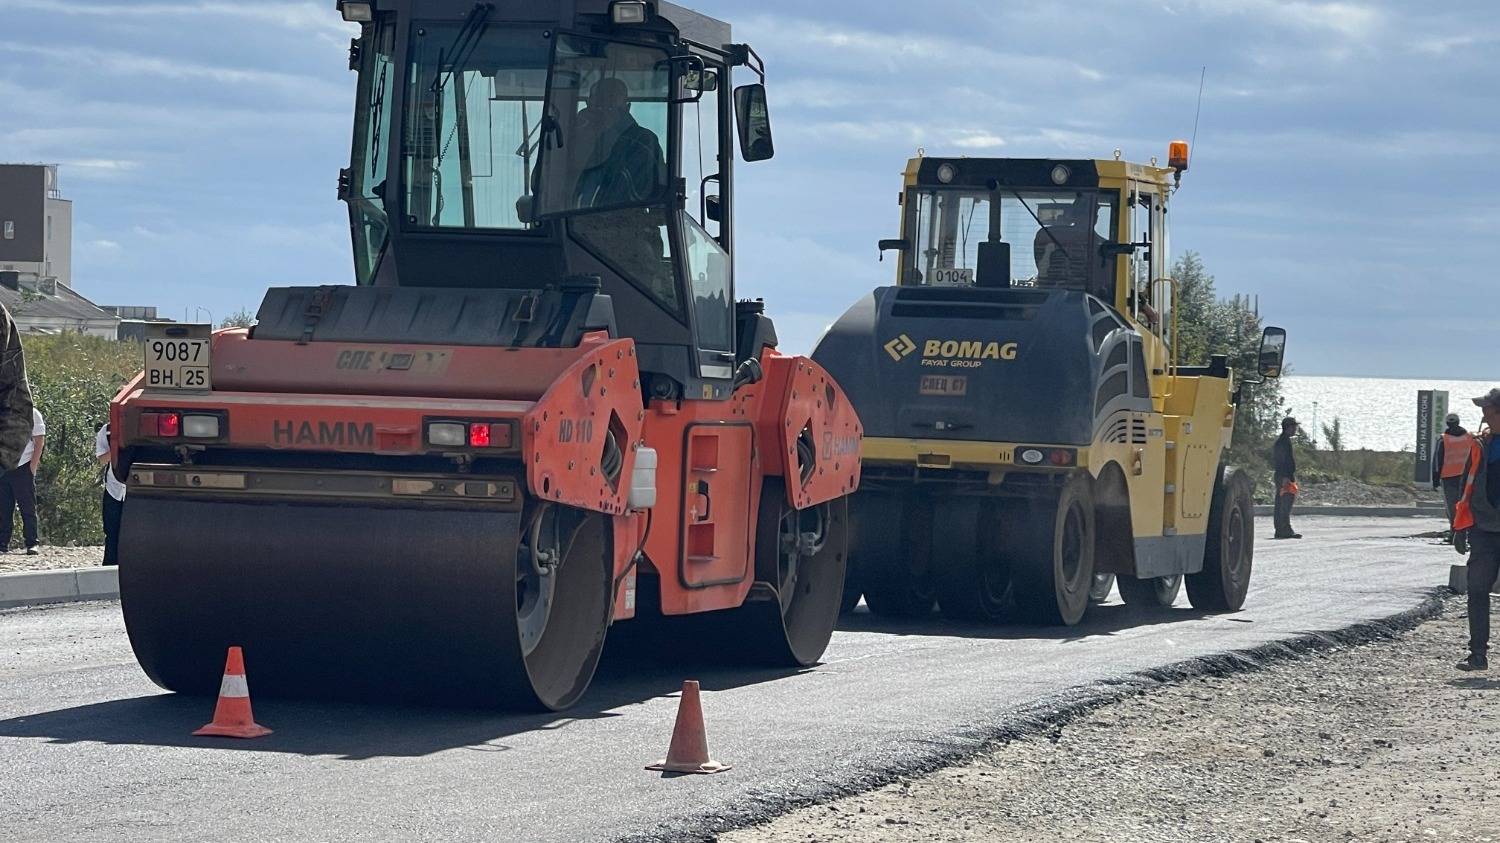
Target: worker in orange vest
(1455, 452)
(1478, 516)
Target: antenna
(1202, 77)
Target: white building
(36, 256)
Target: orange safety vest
(1456, 451)
(1463, 514)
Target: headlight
(448, 434)
(1060, 174)
(624, 12)
(946, 173)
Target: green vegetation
(1209, 325)
(73, 378)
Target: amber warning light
(1177, 156)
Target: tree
(1334, 433)
(1208, 326)
(241, 318)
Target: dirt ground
(1379, 742)
(51, 558)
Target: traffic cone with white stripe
(232, 717)
(688, 752)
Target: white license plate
(178, 362)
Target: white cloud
(977, 140)
(307, 16)
(135, 64)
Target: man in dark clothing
(625, 164)
(15, 395)
(1284, 472)
(1479, 514)
(1450, 465)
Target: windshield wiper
(1045, 229)
(463, 44)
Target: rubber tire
(1150, 593)
(1044, 592)
(890, 548)
(973, 572)
(1103, 585)
(1229, 557)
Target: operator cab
(1092, 227)
(540, 146)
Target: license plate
(944, 385)
(177, 357)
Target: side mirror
(754, 118)
(894, 246)
(713, 208)
(691, 75)
(1272, 353)
(993, 270)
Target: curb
(69, 585)
(1049, 715)
(1351, 511)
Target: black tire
(1230, 553)
(890, 550)
(802, 554)
(1150, 593)
(1052, 556)
(971, 569)
(1103, 585)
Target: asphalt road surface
(91, 749)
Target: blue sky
(1343, 168)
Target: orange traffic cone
(232, 717)
(689, 750)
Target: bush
(73, 378)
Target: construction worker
(1450, 465)
(18, 489)
(1284, 474)
(626, 165)
(1478, 513)
(17, 416)
(113, 500)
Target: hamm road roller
(1031, 434)
(448, 480)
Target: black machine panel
(994, 365)
(553, 317)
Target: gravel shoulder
(1380, 741)
(51, 558)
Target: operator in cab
(1066, 251)
(625, 164)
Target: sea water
(1375, 413)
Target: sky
(1343, 170)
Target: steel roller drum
(355, 602)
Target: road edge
(1049, 714)
(66, 585)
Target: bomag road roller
(1030, 431)
(448, 480)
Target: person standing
(113, 501)
(1478, 513)
(1450, 465)
(18, 489)
(1284, 473)
(15, 394)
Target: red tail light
(161, 425)
(1061, 456)
(479, 435)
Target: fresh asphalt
(90, 749)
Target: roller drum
(356, 602)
